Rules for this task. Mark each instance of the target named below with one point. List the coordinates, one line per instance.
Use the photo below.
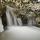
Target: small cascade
(9, 18)
(15, 21)
(19, 21)
(12, 18)
(29, 22)
(1, 25)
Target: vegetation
(25, 8)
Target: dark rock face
(4, 20)
(3, 15)
(24, 20)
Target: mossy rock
(2, 9)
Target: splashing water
(1, 26)
(9, 19)
(12, 18)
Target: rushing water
(9, 19)
(12, 18)
(29, 22)
(1, 25)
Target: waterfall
(14, 18)
(29, 22)
(15, 21)
(9, 18)
(19, 21)
(1, 25)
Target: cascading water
(14, 17)
(1, 26)
(29, 22)
(10, 16)
(15, 20)
(19, 21)
(9, 19)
